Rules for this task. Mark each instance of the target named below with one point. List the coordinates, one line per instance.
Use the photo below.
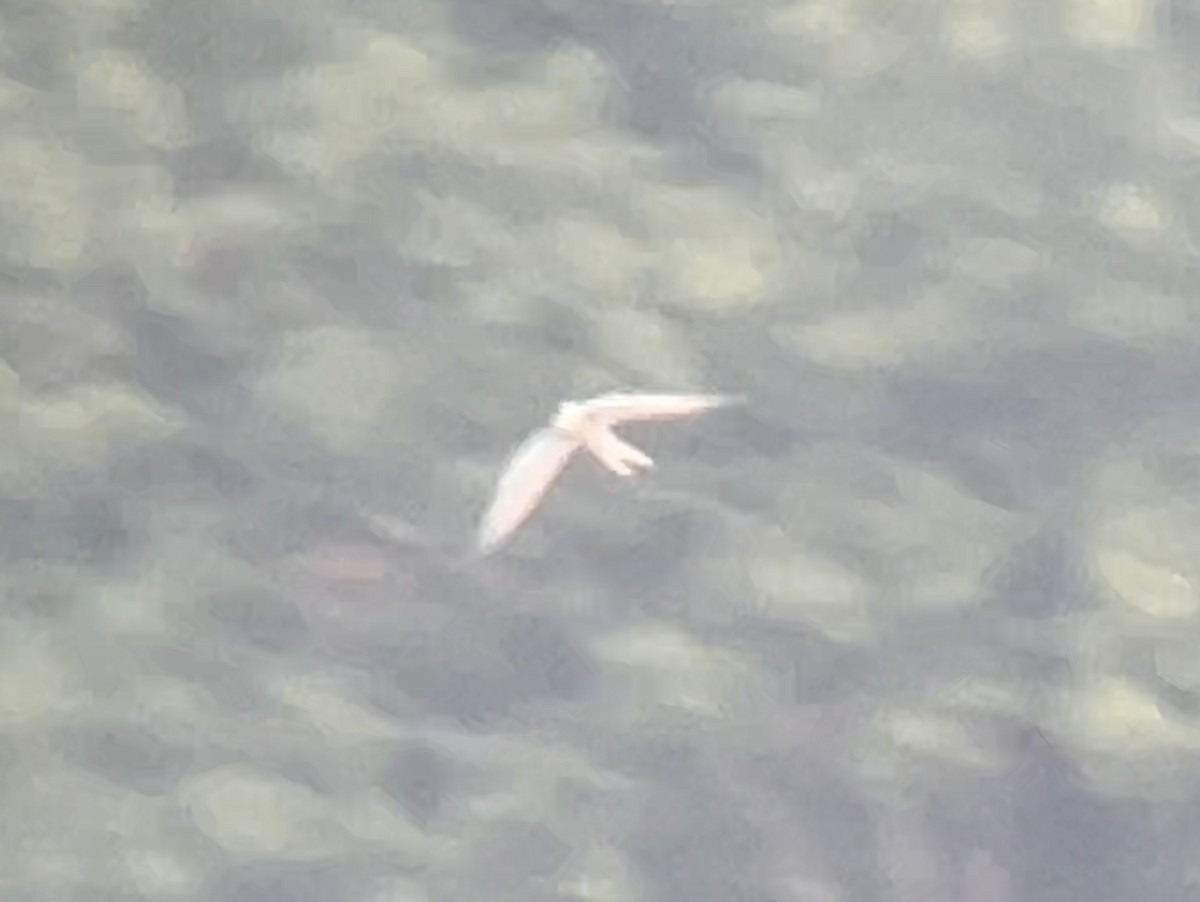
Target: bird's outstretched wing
(619, 407)
(530, 472)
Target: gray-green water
(281, 284)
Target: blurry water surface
(281, 284)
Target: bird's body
(578, 424)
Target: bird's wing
(618, 408)
(531, 470)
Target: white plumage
(539, 460)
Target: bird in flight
(539, 460)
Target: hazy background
(282, 283)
